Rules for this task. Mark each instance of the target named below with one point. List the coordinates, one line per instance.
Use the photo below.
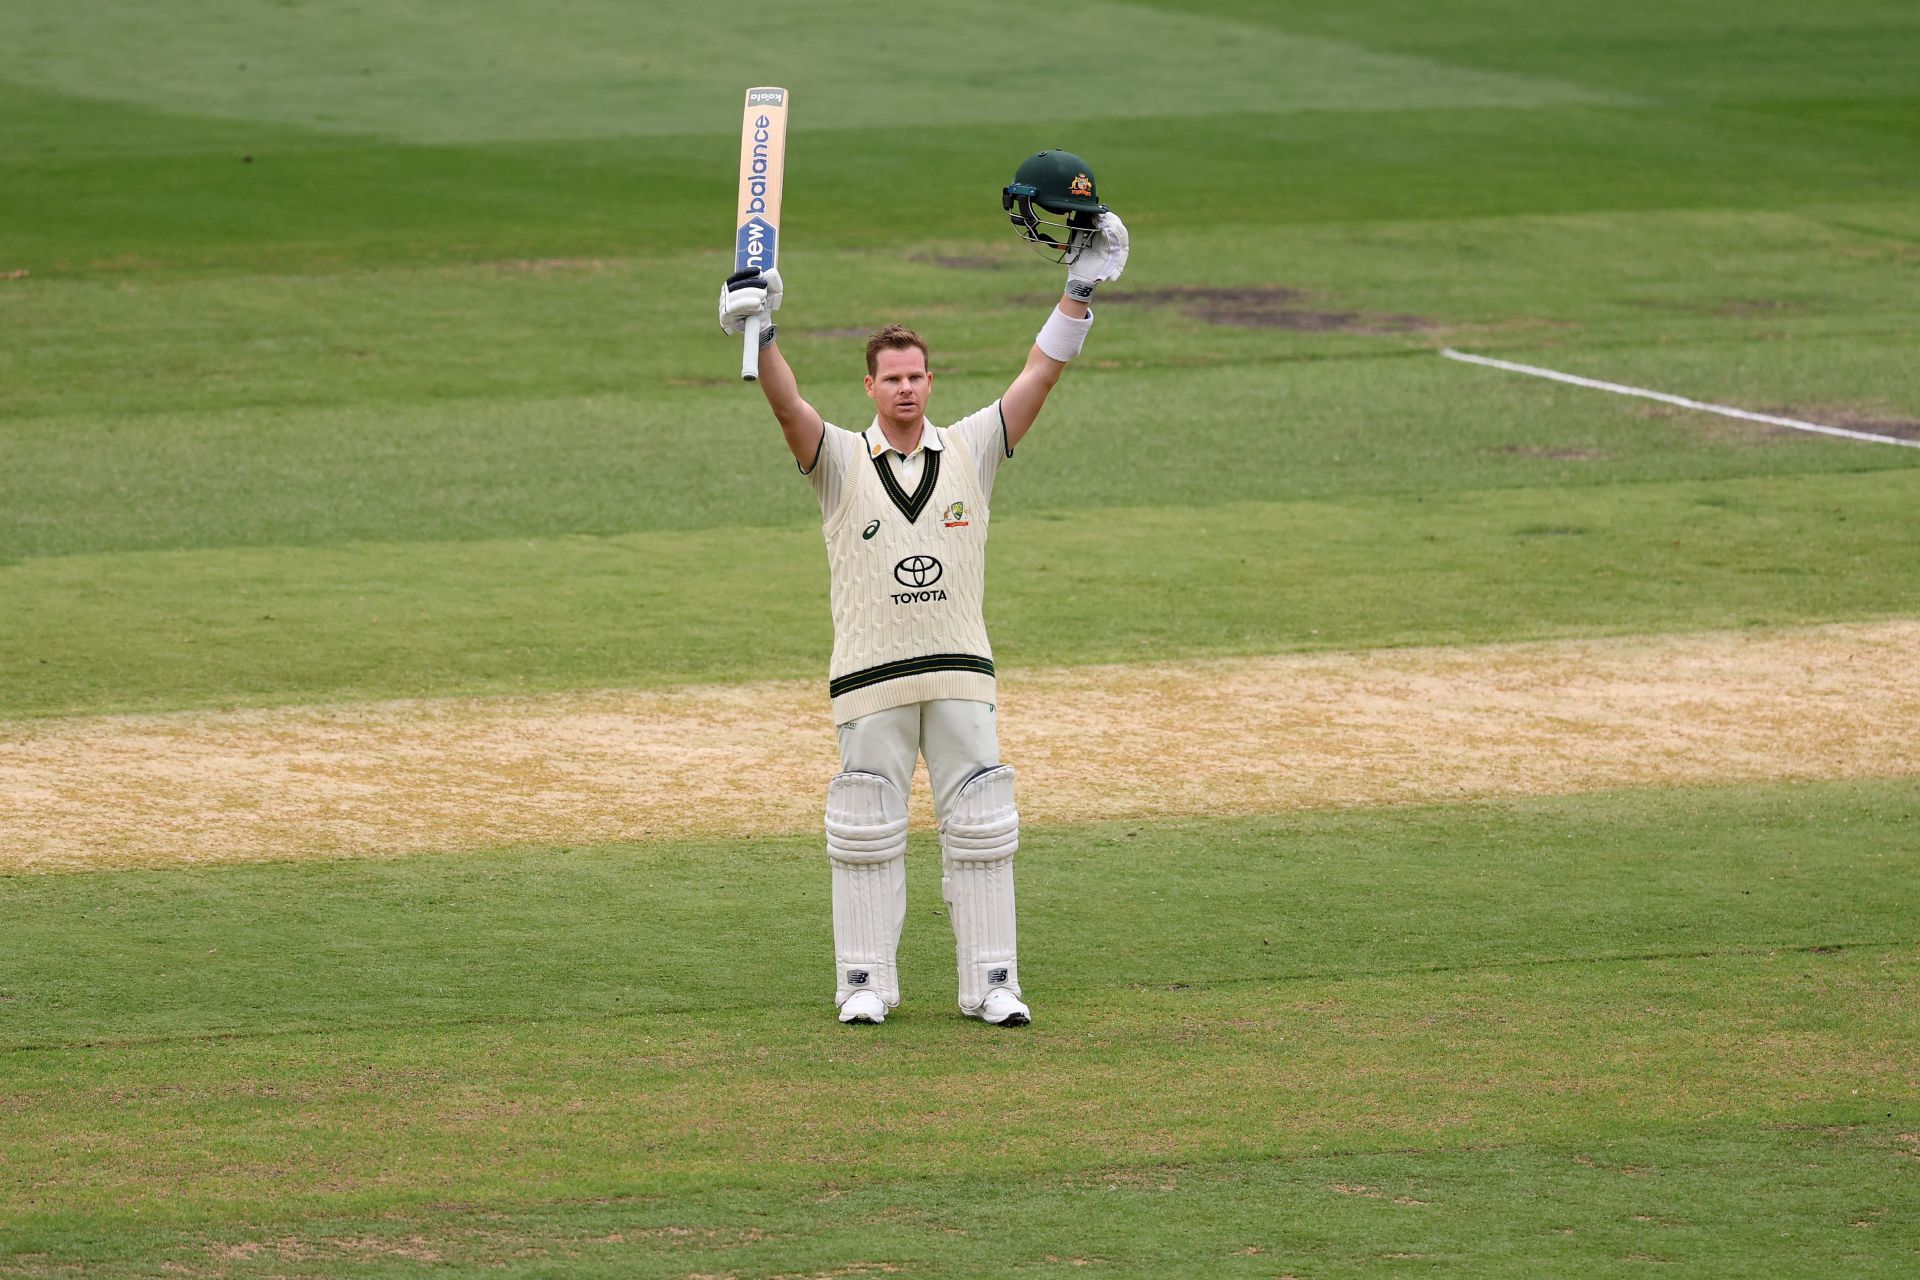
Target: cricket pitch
(1212, 737)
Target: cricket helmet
(1057, 183)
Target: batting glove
(1103, 258)
(747, 294)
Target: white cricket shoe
(1002, 1008)
(864, 1006)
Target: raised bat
(763, 168)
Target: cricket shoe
(1002, 1008)
(864, 1006)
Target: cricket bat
(763, 170)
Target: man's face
(899, 386)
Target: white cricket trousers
(956, 735)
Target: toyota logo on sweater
(918, 573)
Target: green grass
(158, 631)
(589, 68)
(526, 935)
(1785, 53)
(361, 352)
(462, 403)
(1676, 986)
(266, 200)
(1694, 1201)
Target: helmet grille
(1059, 236)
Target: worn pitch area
(1207, 737)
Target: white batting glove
(1103, 258)
(747, 294)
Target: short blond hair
(895, 337)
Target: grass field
(359, 370)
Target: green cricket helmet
(1058, 183)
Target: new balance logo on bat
(755, 247)
(757, 169)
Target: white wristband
(1061, 337)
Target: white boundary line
(1682, 401)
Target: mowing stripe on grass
(397, 946)
(1725, 411)
(1726, 1198)
(1223, 736)
(397, 72)
(356, 1119)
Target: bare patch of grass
(1553, 453)
(1851, 418)
(455, 1243)
(964, 260)
(1224, 736)
(1375, 1193)
(1715, 427)
(1743, 431)
(1271, 307)
(548, 266)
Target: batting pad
(977, 844)
(867, 848)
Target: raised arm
(1102, 258)
(1023, 400)
(747, 294)
(800, 422)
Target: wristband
(1062, 336)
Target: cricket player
(905, 508)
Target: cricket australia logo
(918, 573)
(955, 516)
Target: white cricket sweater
(908, 574)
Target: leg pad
(977, 843)
(867, 850)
